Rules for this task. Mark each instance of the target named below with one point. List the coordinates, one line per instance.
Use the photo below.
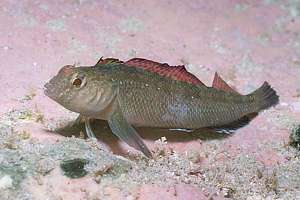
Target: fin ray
(104, 61)
(220, 84)
(265, 96)
(233, 126)
(174, 72)
(121, 128)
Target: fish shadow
(104, 134)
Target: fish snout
(48, 89)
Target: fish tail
(265, 97)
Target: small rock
(193, 156)
(228, 192)
(6, 182)
(255, 197)
(259, 174)
(131, 25)
(161, 147)
(39, 180)
(24, 135)
(271, 182)
(44, 166)
(296, 106)
(10, 144)
(103, 169)
(297, 90)
(295, 137)
(74, 168)
(284, 104)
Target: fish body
(149, 100)
(144, 93)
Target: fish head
(79, 89)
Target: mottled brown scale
(173, 106)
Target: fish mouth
(47, 89)
(51, 91)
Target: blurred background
(249, 40)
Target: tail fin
(265, 97)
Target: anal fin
(233, 126)
(182, 130)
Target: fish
(144, 93)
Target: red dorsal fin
(220, 84)
(174, 72)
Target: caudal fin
(265, 97)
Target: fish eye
(77, 82)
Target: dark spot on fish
(74, 168)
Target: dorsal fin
(174, 72)
(220, 84)
(102, 61)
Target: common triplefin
(144, 93)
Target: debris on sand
(295, 137)
(74, 168)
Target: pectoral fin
(88, 128)
(87, 125)
(121, 128)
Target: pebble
(6, 182)
(296, 106)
